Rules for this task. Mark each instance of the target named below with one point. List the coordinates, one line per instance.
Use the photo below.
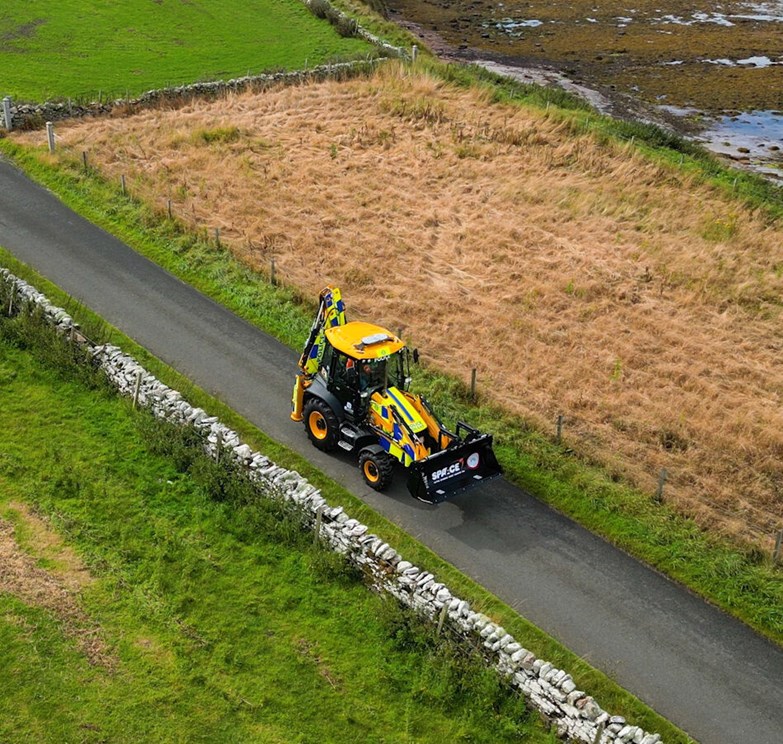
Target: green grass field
(80, 48)
(221, 620)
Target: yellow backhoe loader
(352, 393)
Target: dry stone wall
(35, 115)
(325, 9)
(575, 714)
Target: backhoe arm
(331, 312)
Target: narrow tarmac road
(703, 670)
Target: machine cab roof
(361, 341)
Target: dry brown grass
(578, 278)
(55, 591)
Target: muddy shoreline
(751, 140)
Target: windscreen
(378, 374)
(372, 375)
(397, 370)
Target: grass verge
(609, 694)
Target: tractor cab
(360, 359)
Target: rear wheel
(321, 424)
(377, 469)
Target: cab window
(344, 368)
(396, 370)
(372, 375)
(326, 361)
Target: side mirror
(415, 356)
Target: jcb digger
(352, 393)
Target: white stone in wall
(243, 452)
(588, 708)
(480, 621)
(528, 662)
(575, 696)
(390, 555)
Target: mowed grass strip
(220, 619)
(80, 48)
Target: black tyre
(322, 425)
(377, 468)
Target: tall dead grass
(577, 277)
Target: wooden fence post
(122, 185)
(559, 435)
(473, 384)
(662, 477)
(84, 159)
(136, 390)
(778, 547)
(50, 135)
(442, 619)
(272, 277)
(319, 518)
(599, 733)
(168, 207)
(8, 120)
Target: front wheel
(321, 424)
(377, 468)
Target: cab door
(344, 383)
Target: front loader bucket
(454, 470)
